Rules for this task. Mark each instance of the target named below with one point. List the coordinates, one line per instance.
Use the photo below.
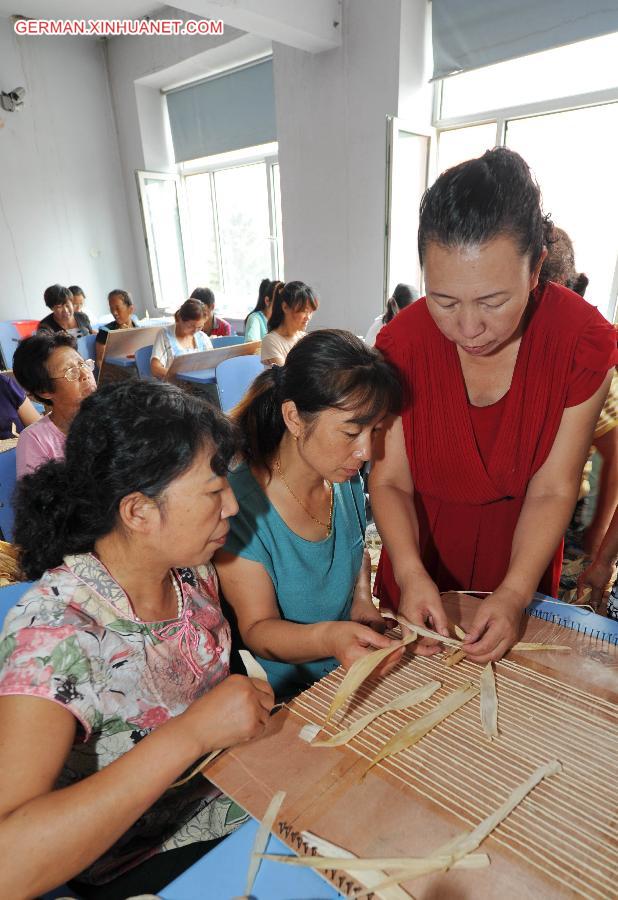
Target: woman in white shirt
(184, 336)
(293, 304)
(403, 295)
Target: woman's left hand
(351, 640)
(495, 627)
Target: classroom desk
(200, 376)
(221, 874)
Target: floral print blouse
(75, 640)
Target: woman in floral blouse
(114, 667)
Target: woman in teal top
(256, 323)
(294, 567)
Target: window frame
(265, 153)
(503, 116)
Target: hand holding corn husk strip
(457, 644)
(261, 839)
(463, 845)
(410, 698)
(254, 670)
(359, 671)
(413, 732)
(406, 867)
(489, 702)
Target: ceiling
(79, 9)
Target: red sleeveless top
(471, 465)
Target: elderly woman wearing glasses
(48, 366)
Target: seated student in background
(16, 410)
(214, 326)
(184, 336)
(256, 323)
(122, 309)
(294, 567)
(115, 665)
(63, 317)
(293, 304)
(79, 299)
(403, 296)
(49, 367)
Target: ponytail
(328, 369)
(391, 311)
(259, 417)
(42, 516)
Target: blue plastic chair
(9, 596)
(9, 339)
(86, 346)
(233, 378)
(142, 362)
(8, 479)
(229, 340)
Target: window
(233, 231)
(559, 110)
(216, 226)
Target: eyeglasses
(73, 373)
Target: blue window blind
(227, 112)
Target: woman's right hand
(347, 641)
(421, 604)
(235, 711)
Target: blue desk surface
(222, 874)
(200, 376)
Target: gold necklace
(327, 525)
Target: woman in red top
(505, 378)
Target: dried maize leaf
(469, 841)
(427, 632)
(359, 671)
(526, 645)
(459, 632)
(454, 658)
(252, 666)
(472, 861)
(489, 702)
(410, 698)
(198, 768)
(414, 731)
(406, 867)
(261, 839)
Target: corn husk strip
(454, 658)
(489, 702)
(452, 642)
(252, 666)
(406, 867)
(410, 698)
(463, 846)
(459, 632)
(414, 731)
(261, 839)
(369, 878)
(359, 671)
(469, 841)
(472, 861)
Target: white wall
(63, 214)
(139, 67)
(331, 127)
